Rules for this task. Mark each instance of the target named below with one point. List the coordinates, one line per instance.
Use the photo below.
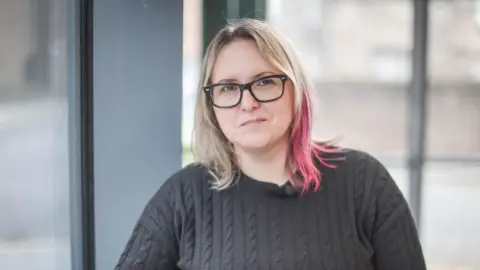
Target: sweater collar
(254, 186)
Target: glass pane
(454, 63)
(452, 189)
(34, 182)
(358, 53)
(451, 220)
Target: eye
(264, 82)
(228, 88)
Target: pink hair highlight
(305, 152)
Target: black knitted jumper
(358, 219)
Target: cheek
(225, 119)
(283, 114)
(284, 109)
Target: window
(34, 172)
(391, 65)
(475, 68)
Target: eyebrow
(256, 76)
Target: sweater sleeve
(388, 223)
(152, 244)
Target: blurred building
(370, 41)
(358, 53)
(31, 61)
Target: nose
(248, 102)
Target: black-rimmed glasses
(264, 89)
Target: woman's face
(251, 125)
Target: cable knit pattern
(207, 230)
(251, 239)
(275, 239)
(189, 227)
(227, 255)
(304, 259)
(358, 220)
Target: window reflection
(34, 196)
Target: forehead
(239, 60)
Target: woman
(263, 195)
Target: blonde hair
(211, 148)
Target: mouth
(253, 121)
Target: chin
(254, 142)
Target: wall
(137, 112)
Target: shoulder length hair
(213, 150)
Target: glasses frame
(246, 86)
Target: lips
(252, 121)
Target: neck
(268, 165)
